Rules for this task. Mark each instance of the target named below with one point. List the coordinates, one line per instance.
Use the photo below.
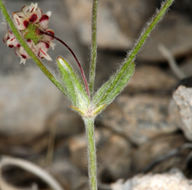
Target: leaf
(74, 88)
(69, 87)
(110, 89)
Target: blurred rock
(173, 112)
(182, 97)
(114, 157)
(69, 175)
(143, 80)
(140, 117)
(26, 101)
(167, 181)
(186, 66)
(65, 121)
(78, 151)
(119, 24)
(178, 42)
(118, 21)
(110, 167)
(160, 154)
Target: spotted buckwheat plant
(30, 36)
(30, 21)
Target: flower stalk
(93, 47)
(89, 125)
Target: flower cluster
(31, 21)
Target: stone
(177, 42)
(78, 151)
(154, 155)
(108, 143)
(166, 181)
(143, 80)
(26, 101)
(182, 97)
(67, 172)
(121, 22)
(139, 117)
(186, 66)
(64, 121)
(118, 162)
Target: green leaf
(73, 85)
(102, 90)
(68, 84)
(110, 89)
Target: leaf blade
(74, 86)
(110, 89)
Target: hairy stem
(75, 57)
(93, 47)
(92, 162)
(27, 48)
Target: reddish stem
(75, 57)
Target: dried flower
(30, 21)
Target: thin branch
(26, 165)
(171, 60)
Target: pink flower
(30, 21)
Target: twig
(171, 60)
(26, 165)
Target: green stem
(93, 47)
(92, 166)
(27, 48)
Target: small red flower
(30, 21)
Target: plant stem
(75, 57)
(92, 162)
(93, 47)
(27, 48)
